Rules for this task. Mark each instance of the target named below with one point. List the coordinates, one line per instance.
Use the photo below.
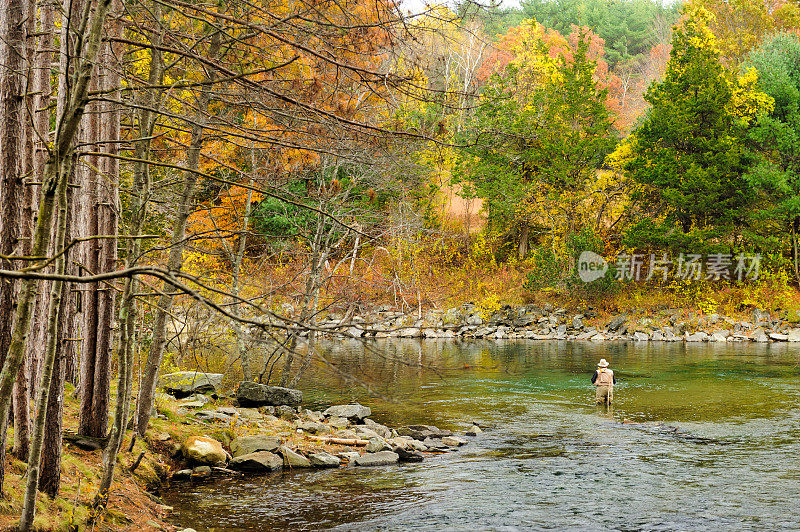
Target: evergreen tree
(777, 136)
(690, 153)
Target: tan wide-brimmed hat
(602, 363)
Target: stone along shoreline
(533, 322)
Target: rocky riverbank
(534, 322)
(264, 429)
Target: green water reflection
(701, 437)
(656, 382)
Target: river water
(701, 437)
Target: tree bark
(50, 470)
(35, 454)
(91, 28)
(95, 363)
(13, 56)
(101, 253)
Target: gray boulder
(377, 459)
(255, 394)
(407, 442)
(699, 336)
(475, 319)
(366, 433)
(407, 455)
(454, 441)
(339, 422)
(474, 430)
(182, 474)
(421, 432)
(188, 382)
(286, 412)
(348, 456)
(759, 336)
(719, 336)
(382, 430)
(313, 427)
(324, 460)
(355, 332)
(293, 459)
(253, 443)
(210, 415)
(435, 443)
(376, 445)
(617, 322)
(794, 335)
(261, 461)
(354, 411)
(410, 332)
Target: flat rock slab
(254, 443)
(421, 432)
(189, 382)
(260, 461)
(454, 441)
(324, 460)
(354, 411)
(211, 415)
(255, 394)
(313, 427)
(377, 459)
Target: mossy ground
(131, 507)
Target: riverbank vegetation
(175, 172)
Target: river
(701, 437)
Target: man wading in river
(604, 380)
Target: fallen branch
(137, 462)
(339, 441)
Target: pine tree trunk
(101, 254)
(34, 457)
(67, 125)
(12, 119)
(50, 470)
(95, 364)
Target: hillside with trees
(207, 181)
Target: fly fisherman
(604, 381)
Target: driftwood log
(339, 441)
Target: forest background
(197, 185)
